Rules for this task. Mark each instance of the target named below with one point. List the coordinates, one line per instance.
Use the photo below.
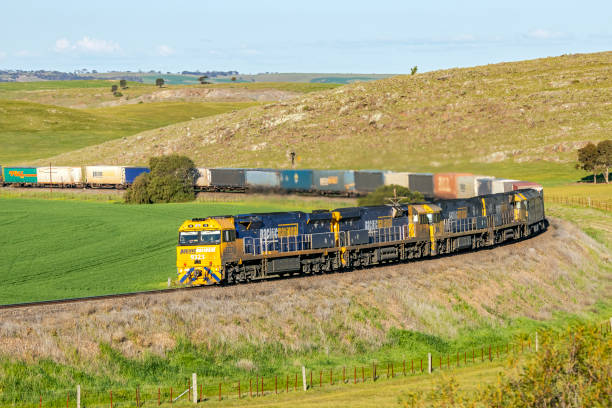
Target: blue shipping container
(132, 172)
(341, 181)
(263, 178)
(296, 179)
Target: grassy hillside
(30, 131)
(385, 314)
(522, 120)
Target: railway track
(99, 297)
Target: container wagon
(423, 183)
(224, 179)
(262, 179)
(453, 185)
(334, 182)
(397, 179)
(296, 180)
(60, 176)
(20, 176)
(368, 181)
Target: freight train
(325, 182)
(248, 247)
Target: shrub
(383, 194)
(170, 181)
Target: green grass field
(66, 248)
(30, 131)
(6, 87)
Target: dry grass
(483, 119)
(560, 270)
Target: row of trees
(596, 158)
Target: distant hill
(521, 119)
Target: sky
(285, 36)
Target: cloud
(164, 50)
(24, 53)
(87, 45)
(62, 45)
(542, 34)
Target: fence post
(169, 282)
(251, 387)
(304, 378)
(158, 397)
(239, 396)
(373, 371)
(276, 384)
(194, 378)
(78, 397)
(611, 323)
(171, 401)
(536, 343)
(219, 391)
(429, 362)
(111, 395)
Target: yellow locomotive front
(199, 253)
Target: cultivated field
(522, 120)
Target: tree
(159, 82)
(203, 79)
(171, 180)
(114, 88)
(588, 160)
(233, 79)
(385, 194)
(604, 157)
(123, 84)
(413, 70)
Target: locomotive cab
(202, 243)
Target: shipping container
(203, 177)
(422, 182)
(454, 185)
(132, 172)
(368, 181)
(502, 185)
(483, 185)
(397, 179)
(262, 178)
(230, 178)
(334, 181)
(71, 176)
(521, 185)
(296, 180)
(20, 175)
(104, 176)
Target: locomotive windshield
(200, 238)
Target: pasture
(67, 248)
(30, 131)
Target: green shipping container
(19, 175)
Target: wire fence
(207, 389)
(589, 202)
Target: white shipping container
(399, 179)
(59, 175)
(203, 179)
(465, 187)
(501, 185)
(105, 174)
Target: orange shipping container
(454, 185)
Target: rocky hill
(528, 116)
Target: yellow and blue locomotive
(248, 247)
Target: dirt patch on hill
(207, 95)
(559, 270)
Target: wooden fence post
(429, 362)
(303, 378)
(111, 396)
(537, 345)
(194, 380)
(239, 395)
(78, 396)
(219, 391)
